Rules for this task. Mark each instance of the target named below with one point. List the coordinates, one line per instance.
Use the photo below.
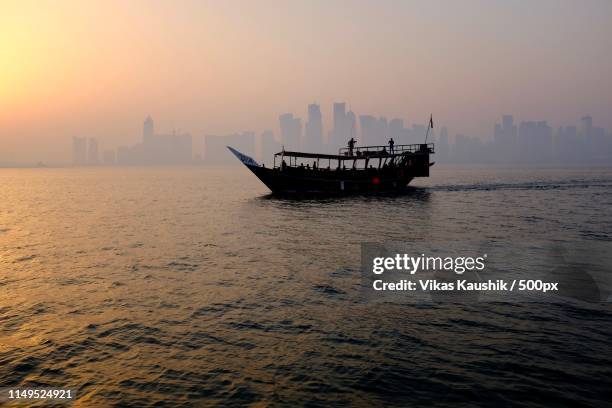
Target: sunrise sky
(97, 68)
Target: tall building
(418, 133)
(368, 126)
(508, 123)
(339, 135)
(79, 151)
(148, 130)
(162, 149)
(534, 142)
(92, 153)
(587, 126)
(375, 131)
(339, 115)
(383, 131)
(505, 140)
(314, 129)
(291, 131)
(568, 146)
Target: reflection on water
(188, 285)
(411, 192)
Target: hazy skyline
(96, 69)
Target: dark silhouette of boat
(354, 170)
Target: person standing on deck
(391, 144)
(351, 146)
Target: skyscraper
(164, 149)
(148, 131)
(368, 126)
(291, 131)
(339, 115)
(79, 151)
(314, 129)
(382, 131)
(505, 140)
(339, 134)
(534, 142)
(587, 126)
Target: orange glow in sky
(97, 68)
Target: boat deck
(363, 152)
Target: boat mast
(429, 126)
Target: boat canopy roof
(363, 152)
(313, 155)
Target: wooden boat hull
(303, 181)
(341, 183)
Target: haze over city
(97, 69)
(305, 203)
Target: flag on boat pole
(429, 127)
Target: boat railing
(377, 150)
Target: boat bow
(246, 160)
